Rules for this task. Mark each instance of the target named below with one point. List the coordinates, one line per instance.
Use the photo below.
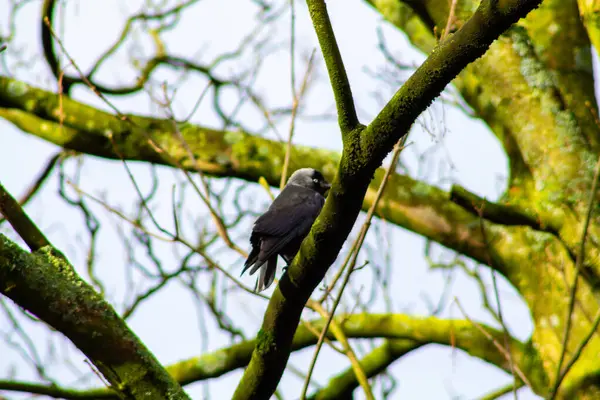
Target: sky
(446, 147)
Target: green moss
(213, 362)
(265, 342)
(16, 88)
(583, 59)
(422, 189)
(233, 137)
(533, 70)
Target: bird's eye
(315, 180)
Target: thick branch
(46, 285)
(494, 212)
(446, 61)
(404, 332)
(421, 208)
(358, 163)
(534, 88)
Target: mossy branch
(377, 361)
(498, 213)
(46, 285)
(404, 333)
(535, 90)
(444, 63)
(347, 118)
(414, 205)
(20, 221)
(357, 166)
(590, 14)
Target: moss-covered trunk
(535, 90)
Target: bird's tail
(252, 260)
(267, 274)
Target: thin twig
(496, 394)
(578, 264)
(295, 105)
(360, 240)
(497, 298)
(450, 20)
(205, 197)
(496, 344)
(288, 149)
(39, 181)
(347, 350)
(580, 347)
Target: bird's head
(311, 179)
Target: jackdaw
(281, 229)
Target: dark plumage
(281, 229)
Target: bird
(282, 228)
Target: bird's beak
(325, 186)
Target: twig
(450, 20)
(580, 347)
(497, 345)
(170, 237)
(294, 93)
(578, 264)
(496, 394)
(360, 240)
(39, 181)
(205, 197)
(293, 48)
(295, 106)
(347, 350)
(497, 298)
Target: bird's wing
(292, 207)
(290, 216)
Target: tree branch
(534, 89)
(498, 213)
(46, 285)
(414, 205)
(588, 10)
(39, 181)
(20, 221)
(347, 117)
(404, 333)
(377, 361)
(360, 159)
(447, 60)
